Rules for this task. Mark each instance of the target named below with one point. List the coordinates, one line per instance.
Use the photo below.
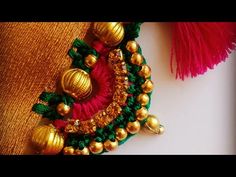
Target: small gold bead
(136, 59)
(143, 99)
(68, 150)
(84, 151)
(145, 71)
(110, 145)
(121, 134)
(142, 113)
(147, 86)
(152, 124)
(96, 147)
(161, 130)
(133, 127)
(90, 60)
(132, 46)
(63, 109)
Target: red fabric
(59, 124)
(198, 46)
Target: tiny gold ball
(136, 59)
(143, 99)
(63, 109)
(84, 151)
(142, 113)
(110, 145)
(96, 147)
(133, 127)
(145, 71)
(90, 60)
(68, 150)
(152, 124)
(132, 46)
(147, 86)
(161, 130)
(121, 134)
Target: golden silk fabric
(32, 56)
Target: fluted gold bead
(68, 150)
(143, 99)
(152, 124)
(121, 134)
(90, 60)
(96, 147)
(84, 151)
(47, 140)
(133, 127)
(136, 59)
(77, 83)
(142, 113)
(63, 109)
(110, 145)
(147, 86)
(111, 33)
(145, 71)
(132, 46)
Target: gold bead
(110, 145)
(132, 46)
(136, 59)
(63, 109)
(147, 86)
(96, 147)
(76, 83)
(152, 124)
(111, 33)
(143, 99)
(161, 130)
(121, 134)
(84, 151)
(133, 127)
(142, 113)
(145, 71)
(47, 140)
(68, 150)
(90, 60)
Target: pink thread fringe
(199, 46)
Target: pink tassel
(199, 46)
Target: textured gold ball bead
(152, 124)
(111, 33)
(133, 127)
(142, 113)
(68, 150)
(136, 59)
(145, 71)
(47, 140)
(161, 130)
(132, 46)
(110, 145)
(147, 86)
(77, 83)
(63, 109)
(90, 60)
(121, 134)
(143, 99)
(84, 151)
(96, 147)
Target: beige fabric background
(32, 55)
